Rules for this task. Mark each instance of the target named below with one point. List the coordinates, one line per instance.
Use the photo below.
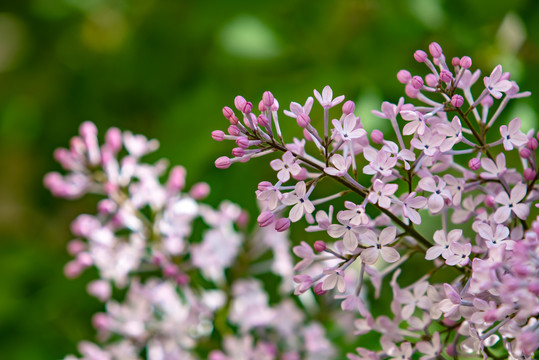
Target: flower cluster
(447, 160)
(164, 287)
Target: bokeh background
(165, 68)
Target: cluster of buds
(447, 159)
(167, 290)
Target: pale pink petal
(370, 255)
(389, 254)
(521, 210)
(502, 214)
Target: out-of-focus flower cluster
(453, 157)
(176, 275)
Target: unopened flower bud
(106, 206)
(301, 175)
(282, 224)
(457, 100)
(420, 56)
(525, 153)
(199, 191)
(228, 112)
(261, 106)
(182, 279)
(410, 91)
(319, 246)
(348, 107)
(529, 174)
(113, 139)
(487, 101)
(474, 164)
(265, 185)
(87, 129)
(431, 80)
(73, 269)
(435, 50)
(451, 350)
(218, 135)
(240, 102)
(446, 76)
(268, 99)
(247, 108)
(417, 82)
(233, 130)
(75, 246)
(403, 76)
(263, 120)
(455, 61)
(465, 62)
(101, 289)
(170, 270)
(265, 218)
(377, 136)
(223, 162)
(101, 321)
(303, 120)
(238, 152)
(317, 289)
(489, 201)
(532, 144)
(242, 142)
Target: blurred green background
(166, 68)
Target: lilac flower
(493, 170)
(428, 142)
(389, 110)
(495, 238)
(286, 167)
(495, 84)
(416, 298)
(298, 198)
(381, 193)
(460, 254)
(416, 124)
(409, 205)
(348, 130)
(431, 350)
(326, 99)
(305, 252)
(511, 204)
(335, 277)
(455, 187)
(442, 244)
(512, 136)
(439, 193)
(340, 165)
(347, 231)
(379, 162)
(377, 247)
(355, 214)
(404, 155)
(452, 133)
(296, 109)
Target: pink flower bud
(176, 179)
(218, 135)
(532, 143)
(489, 201)
(410, 91)
(242, 142)
(417, 82)
(265, 185)
(420, 56)
(223, 162)
(446, 76)
(73, 269)
(318, 289)
(431, 80)
(377, 136)
(106, 206)
(113, 139)
(435, 50)
(268, 99)
(238, 152)
(228, 113)
(306, 134)
(319, 246)
(301, 176)
(403, 76)
(465, 62)
(282, 224)
(261, 106)
(529, 174)
(525, 153)
(247, 108)
(348, 107)
(199, 191)
(75, 246)
(85, 259)
(239, 102)
(487, 101)
(182, 279)
(234, 131)
(87, 129)
(457, 100)
(243, 219)
(101, 321)
(474, 164)
(170, 270)
(101, 289)
(455, 61)
(265, 218)
(303, 120)
(263, 120)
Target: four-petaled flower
(377, 247)
(379, 162)
(381, 193)
(439, 193)
(442, 244)
(326, 99)
(495, 84)
(493, 170)
(512, 136)
(416, 124)
(299, 199)
(511, 204)
(286, 167)
(341, 165)
(297, 109)
(348, 130)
